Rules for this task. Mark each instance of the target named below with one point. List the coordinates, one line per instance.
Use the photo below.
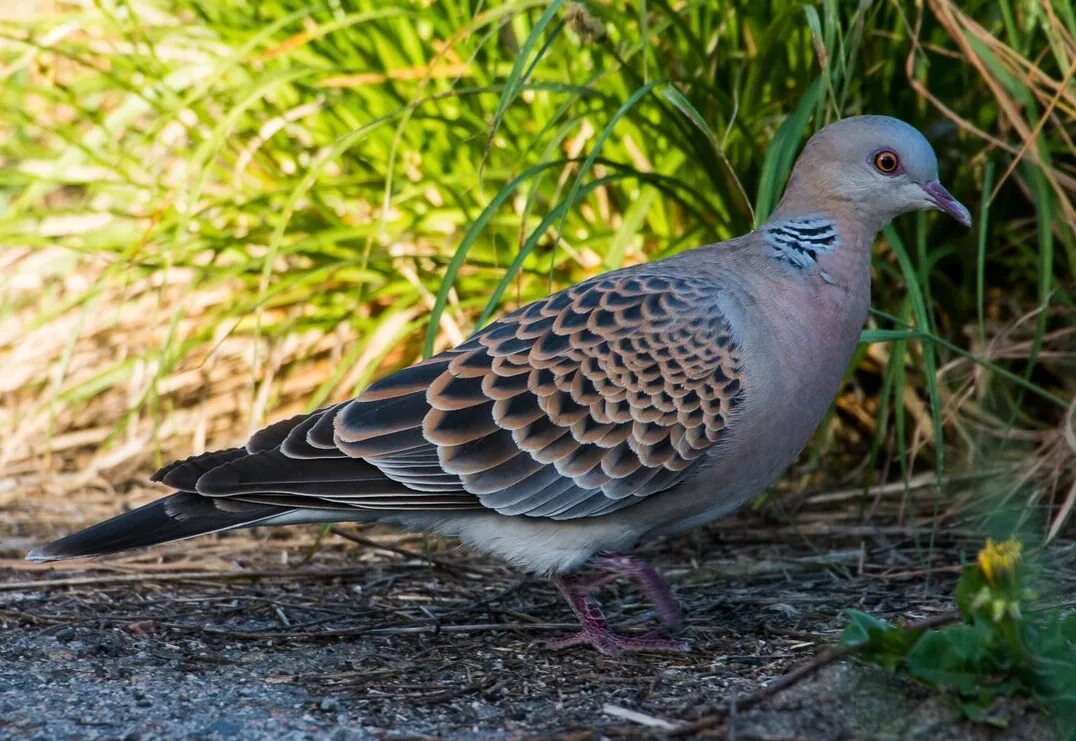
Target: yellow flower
(998, 561)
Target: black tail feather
(176, 517)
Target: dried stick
(827, 656)
(361, 540)
(96, 581)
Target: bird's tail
(177, 517)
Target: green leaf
(474, 231)
(954, 657)
(870, 336)
(629, 227)
(513, 85)
(921, 311)
(862, 629)
(781, 154)
(880, 642)
(672, 94)
(970, 584)
(1068, 628)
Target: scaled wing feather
(573, 406)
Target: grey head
(870, 167)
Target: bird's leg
(651, 583)
(594, 628)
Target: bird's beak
(943, 200)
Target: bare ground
(269, 634)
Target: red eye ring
(886, 162)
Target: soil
(292, 633)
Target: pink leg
(651, 583)
(594, 628)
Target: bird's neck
(833, 244)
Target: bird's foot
(611, 644)
(594, 628)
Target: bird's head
(877, 166)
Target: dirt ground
(276, 634)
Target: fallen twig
(97, 581)
(389, 548)
(916, 573)
(634, 716)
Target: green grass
(398, 172)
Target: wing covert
(572, 406)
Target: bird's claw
(611, 644)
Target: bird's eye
(886, 162)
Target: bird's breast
(796, 344)
(795, 356)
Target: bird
(645, 401)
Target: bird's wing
(573, 406)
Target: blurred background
(215, 214)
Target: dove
(645, 401)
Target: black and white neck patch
(797, 242)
